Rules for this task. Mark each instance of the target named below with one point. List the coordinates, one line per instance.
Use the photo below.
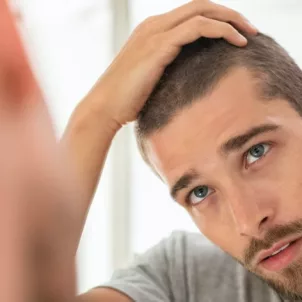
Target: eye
(199, 194)
(256, 152)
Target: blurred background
(70, 43)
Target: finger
(222, 13)
(207, 9)
(198, 27)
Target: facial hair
(289, 285)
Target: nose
(252, 213)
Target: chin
(287, 282)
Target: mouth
(281, 255)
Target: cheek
(285, 177)
(219, 232)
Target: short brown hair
(202, 64)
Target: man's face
(234, 162)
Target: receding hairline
(201, 65)
(259, 83)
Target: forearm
(86, 141)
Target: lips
(280, 250)
(276, 249)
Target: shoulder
(195, 254)
(211, 273)
(187, 267)
(192, 247)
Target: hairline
(260, 85)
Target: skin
(248, 197)
(37, 246)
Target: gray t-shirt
(184, 268)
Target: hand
(37, 210)
(154, 44)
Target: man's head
(223, 129)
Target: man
(222, 129)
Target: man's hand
(122, 91)
(38, 201)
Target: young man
(223, 130)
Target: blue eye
(199, 194)
(256, 152)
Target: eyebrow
(183, 182)
(231, 145)
(237, 142)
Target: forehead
(197, 132)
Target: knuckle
(201, 21)
(207, 7)
(146, 25)
(228, 28)
(150, 19)
(236, 15)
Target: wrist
(97, 113)
(102, 103)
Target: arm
(87, 140)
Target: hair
(201, 65)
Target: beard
(288, 281)
(290, 288)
